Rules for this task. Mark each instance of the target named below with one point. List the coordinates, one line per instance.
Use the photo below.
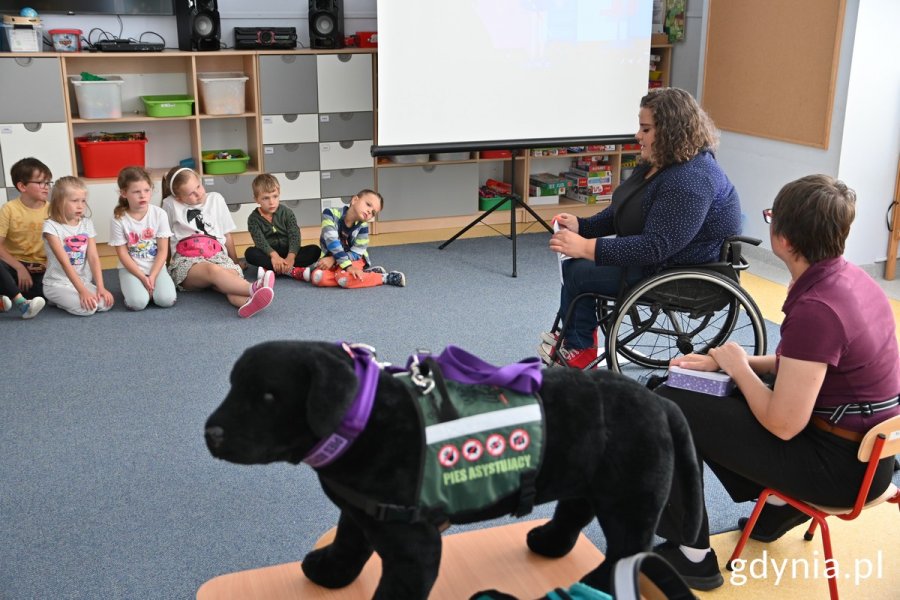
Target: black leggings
(306, 256)
(9, 283)
(814, 465)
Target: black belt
(866, 409)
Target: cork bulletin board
(771, 67)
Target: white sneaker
(35, 305)
(549, 337)
(6, 303)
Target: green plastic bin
(489, 203)
(224, 162)
(175, 105)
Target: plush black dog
(610, 449)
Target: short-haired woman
(676, 208)
(838, 351)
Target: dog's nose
(215, 437)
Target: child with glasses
(22, 257)
(204, 255)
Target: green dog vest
(482, 444)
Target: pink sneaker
(267, 279)
(260, 299)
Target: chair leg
(748, 528)
(829, 556)
(810, 531)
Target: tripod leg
(470, 225)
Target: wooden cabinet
(170, 139)
(661, 59)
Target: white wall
(863, 145)
(359, 15)
(870, 145)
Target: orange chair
(881, 441)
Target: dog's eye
(268, 397)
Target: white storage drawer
(345, 82)
(345, 155)
(240, 213)
(299, 185)
(47, 141)
(290, 129)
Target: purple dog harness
(457, 364)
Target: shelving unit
(309, 119)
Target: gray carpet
(108, 489)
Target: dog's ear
(332, 386)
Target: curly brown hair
(683, 129)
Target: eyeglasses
(43, 184)
(767, 215)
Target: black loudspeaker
(198, 25)
(326, 23)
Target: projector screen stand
(515, 202)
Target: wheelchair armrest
(731, 251)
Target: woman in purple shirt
(835, 374)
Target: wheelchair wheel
(680, 312)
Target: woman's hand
(730, 357)
(571, 244)
(567, 221)
(695, 362)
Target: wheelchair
(679, 310)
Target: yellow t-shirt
(22, 227)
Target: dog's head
(284, 397)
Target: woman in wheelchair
(676, 208)
(835, 376)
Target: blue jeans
(579, 276)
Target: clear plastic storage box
(98, 99)
(222, 93)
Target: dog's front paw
(323, 568)
(551, 540)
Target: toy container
(98, 99)
(66, 40)
(104, 155)
(23, 34)
(222, 93)
(173, 105)
(224, 162)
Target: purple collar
(354, 422)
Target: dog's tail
(688, 469)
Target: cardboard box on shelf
(543, 200)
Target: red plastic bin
(106, 159)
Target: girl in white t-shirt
(204, 255)
(72, 256)
(140, 234)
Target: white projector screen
(482, 74)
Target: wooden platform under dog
(496, 557)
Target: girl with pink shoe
(204, 255)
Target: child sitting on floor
(273, 228)
(204, 255)
(344, 241)
(72, 257)
(140, 234)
